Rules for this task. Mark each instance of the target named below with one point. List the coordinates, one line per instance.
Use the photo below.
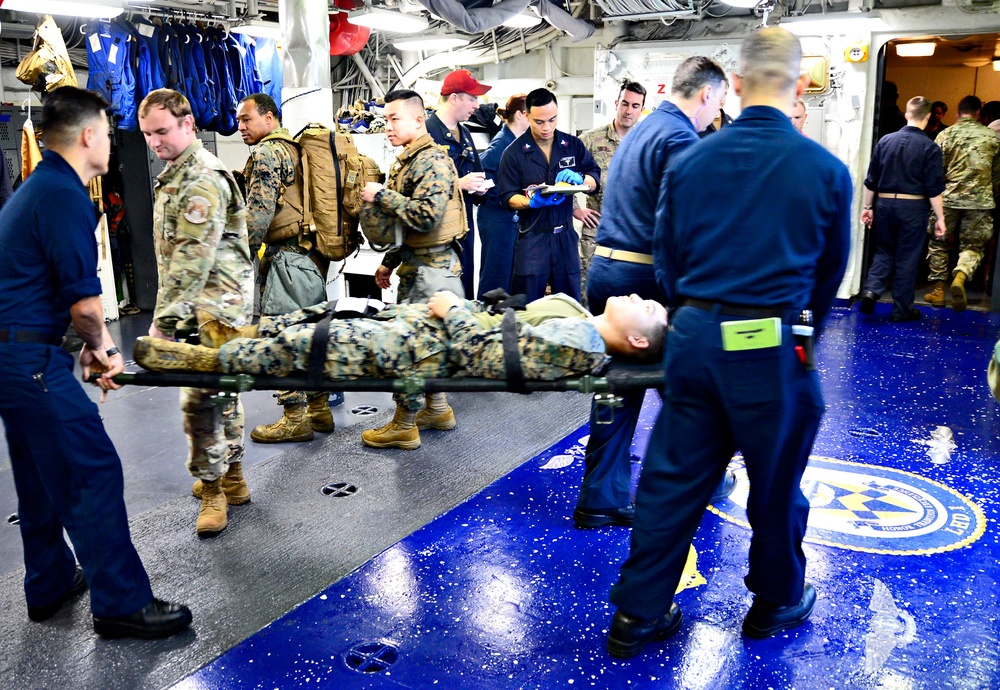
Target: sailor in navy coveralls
(547, 251)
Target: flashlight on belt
(804, 344)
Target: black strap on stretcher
(511, 355)
(317, 349)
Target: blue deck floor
(503, 591)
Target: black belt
(21, 336)
(726, 309)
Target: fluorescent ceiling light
(834, 24)
(94, 9)
(745, 4)
(996, 64)
(431, 42)
(915, 49)
(258, 28)
(525, 20)
(387, 20)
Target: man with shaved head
(420, 209)
(740, 275)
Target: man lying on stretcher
(448, 336)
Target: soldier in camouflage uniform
(971, 156)
(203, 260)
(602, 142)
(420, 209)
(273, 175)
(449, 336)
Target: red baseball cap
(462, 81)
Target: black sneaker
(766, 619)
(155, 619)
(77, 587)
(629, 635)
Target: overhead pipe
(307, 95)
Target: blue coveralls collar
(436, 122)
(674, 110)
(61, 165)
(530, 146)
(765, 113)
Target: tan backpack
(334, 173)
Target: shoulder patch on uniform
(197, 210)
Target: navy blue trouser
(67, 475)
(469, 255)
(607, 475)
(497, 235)
(762, 402)
(900, 231)
(547, 258)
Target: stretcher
(619, 377)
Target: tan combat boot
(936, 297)
(437, 415)
(233, 486)
(216, 332)
(320, 414)
(212, 516)
(293, 427)
(958, 302)
(401, 432)
(157, 354)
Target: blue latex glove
(537, 200)
(569, 176)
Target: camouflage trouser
(407, 271)
(287, 398)
(357, 348)
(215, 432)
(975, 229)
(588, 244)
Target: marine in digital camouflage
(427, 185)
(200, 238)
(407, 340)
(971, 156)
(203, 259)
(268, 170)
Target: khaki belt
(422, 251)
(901, 196)
(622, 255)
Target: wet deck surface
(406, 584)
(503, 592)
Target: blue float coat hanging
(149, 74)
(110, 70)
(270, 66)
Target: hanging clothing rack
(173, 13)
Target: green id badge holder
(751, 335)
